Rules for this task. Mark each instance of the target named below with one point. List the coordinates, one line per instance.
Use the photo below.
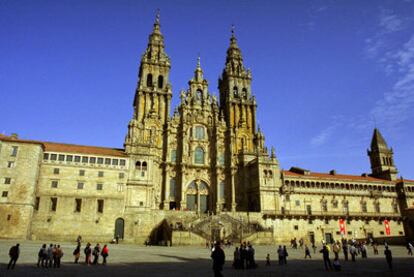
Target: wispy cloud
(389, 22)
(323, 136)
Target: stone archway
(197, 196)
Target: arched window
(199, 132)
(202, 186)
(160, 81)
(235, 92)
(199, 156)
(199, 95)
(172, 188)
(221, 191)
(144, 166)
(244, 92)
(138, 165)
(149, 80)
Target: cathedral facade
(195, 173)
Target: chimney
(332, 172)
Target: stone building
(199, 172)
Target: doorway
(119, 228)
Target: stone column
(233, 191)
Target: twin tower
(207, 156)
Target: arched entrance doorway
(119, 228)
(197, 196)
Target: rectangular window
(107, 161)
(121, 175)
(99, 186)
(100, 206)
(172, 188)
(308, 209)
(53, 204)
(142, 173)
(85, 160)
(199, 132)
(297, 203)
(100, 160)
(122, 162)
(100, 173)
(54, 184)
(7, 181)
(53, 157)
(46, 156)
(80, 185)
(115, 161)
(78, 205)
(61, 158)
(56, 171)
(81, 172)
(69, 158)
(77, 159)
(37, 203)
(296, 227)
(92, 160)
(14, 151)
(120, 187)
(173, 156)
(4, 194)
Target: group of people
(90, 252)
(49, 257)
(244, 257)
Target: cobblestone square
(134, 260)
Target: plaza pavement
(135, 260)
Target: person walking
(76, 252)
(410, 249)
(88, 252)
(375, 248)
(325, 255)
(96, 253)
(364, 251)
(268, 259)
(219, 258)
(104, 253)
(388, 256)
(307, 252)
(14, 253)
(236, 258)
(336, 248)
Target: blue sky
(325, 73)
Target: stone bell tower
(152, 96)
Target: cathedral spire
(381, 158)
(378, 142)
(198, 73)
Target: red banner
(387, 227)
(342, 226)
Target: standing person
(236, 258)
(364, 251)
(410, 249)
(96, 252)
(105, 253)
(280, 254)
(76, 252)
(218, 259)
(388, 256)
(353, 252)
(375, 247)
(54, 253)
(41, 256)
(285, 254)
(50, 256)
(336, 248)
(326, 260)
(88, 252)
(14, 253)
(345, 249)
(307, 252)
(59, 255)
